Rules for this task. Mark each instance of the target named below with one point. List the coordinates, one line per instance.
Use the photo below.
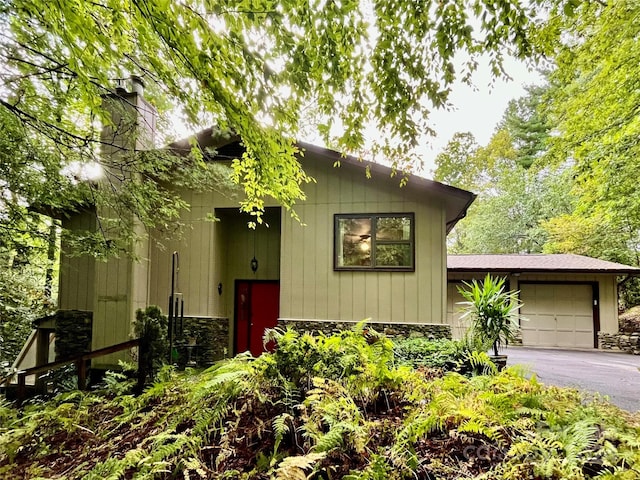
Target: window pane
(393, 228)
(354, 242)
(393, 255)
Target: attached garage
(558, 314)
(567, 299)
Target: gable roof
(565, 263)
(228, 146)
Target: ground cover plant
(323, 407)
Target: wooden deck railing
(81, 366)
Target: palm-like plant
(492, 311)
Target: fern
(280, 428)
(293, 468)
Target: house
(567, 299)
(367, 249)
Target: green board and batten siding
(299, 254)
(312, 290)
(219, 252)
(77, 272)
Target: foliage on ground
(629, 320)
(323, 407)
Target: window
(374, 242)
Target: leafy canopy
(595, 102)
(255, 67)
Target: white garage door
(458, 326)
(559, 315)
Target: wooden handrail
(79, 360)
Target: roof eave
(463, 198)
(630, 271)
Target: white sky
(477, 110)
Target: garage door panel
(545, 322)
(546, 338)
(558, 315)
(565, 322)
(565, 337)
(584, 339)
(530, 337)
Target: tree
(596, 101)
(455, 165)
(251, 67)
(527, 121)
(517, 193)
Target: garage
(567, 299)
(558, 315)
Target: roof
(456, 200)
(565, 263)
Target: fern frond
(293, 468)
(280, 428)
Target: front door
(257, 305)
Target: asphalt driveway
(616, 375)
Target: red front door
(257, 307)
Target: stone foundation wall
(204, 341)
(429, 330)
(624, 342)
(73, 333)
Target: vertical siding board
(212, 282)
(385, 300)
(439, 257)
(412, 280)
(397, 299)
(358, 288)
(204, 263)
(100, 286)
(334, 292)
(423, 269)
(346, 186)
(297, 262)
(346, 296)
(153, 270)
(323, 254)
(218, 246)
(309, 258)
(285, 266)
(608, 304)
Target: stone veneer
(429, 330)
(625, 342)
(73, 333)
(211, 339)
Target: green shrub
(360, 356)
(422, 352)
(151, 328)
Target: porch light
(254, 264)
